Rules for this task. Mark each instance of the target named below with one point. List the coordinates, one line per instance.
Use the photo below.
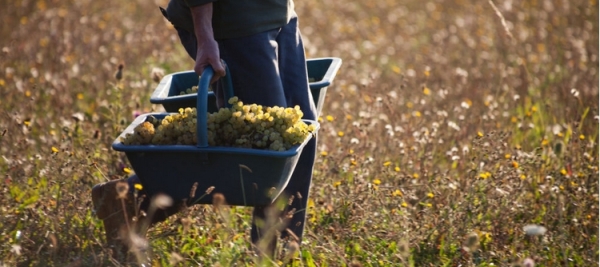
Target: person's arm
(208, 49)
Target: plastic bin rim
(335, 61)
(326, 81)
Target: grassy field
(456, 133)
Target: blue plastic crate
(167, 93)
(174, 169)
(321, 71)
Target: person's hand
(208, 49)
(208, 54)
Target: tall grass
(443, 137)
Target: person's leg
(264, 66)
(292, 67)
(254, 70)
(252, 63)
(116, 204)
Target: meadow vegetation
(456, 133)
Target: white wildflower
(534, 229)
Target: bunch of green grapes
(192, 90)
(178, 128)
(248, 126)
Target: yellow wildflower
(138, 187)
(426, 91)
(468, 102)
(485, 175)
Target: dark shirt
(239, 18)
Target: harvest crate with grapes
(246, 152)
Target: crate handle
(202, 100)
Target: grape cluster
(177, 128)
(192, 90)
(248, 126)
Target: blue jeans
(269, 69)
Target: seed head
(162, 201)
(534, 230)
(404, 248)
(472, 241)
(218, 200)
(122, 189)
(119, 73)
(209, 190)
(193, 190)
(272, 191)
(528, 263)
(157, 74)
(291, 247)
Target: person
(262, 46)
